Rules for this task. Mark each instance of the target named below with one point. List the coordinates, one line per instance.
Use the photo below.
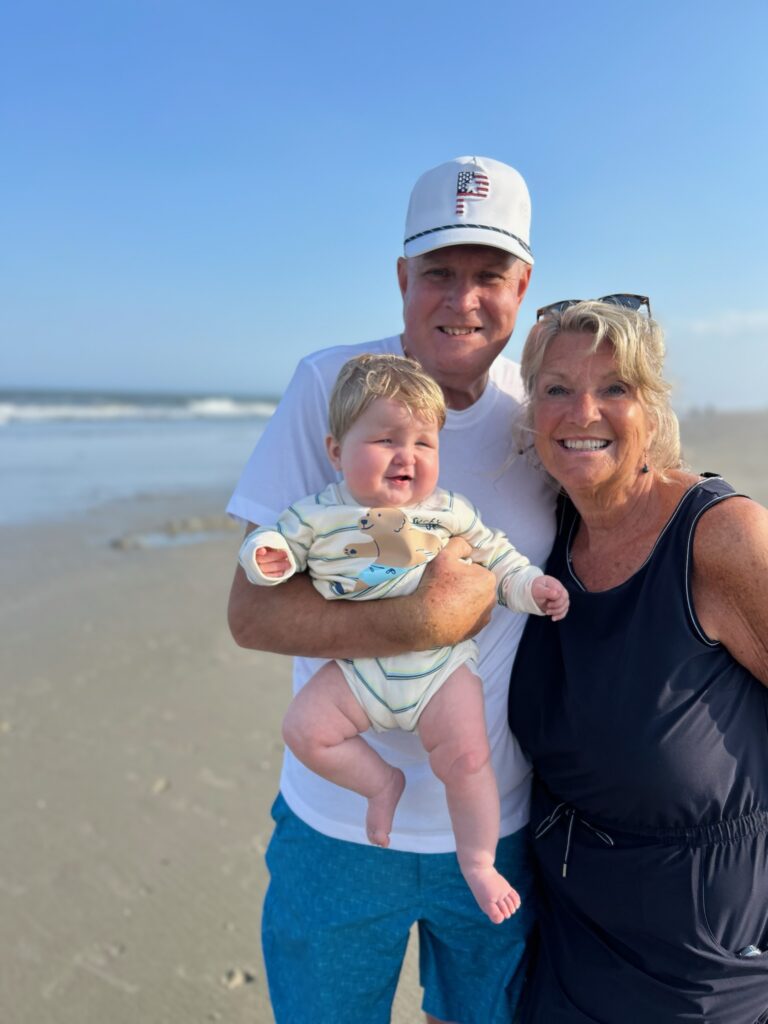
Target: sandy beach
(140, 751)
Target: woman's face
(590, 427)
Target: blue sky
(196, 194)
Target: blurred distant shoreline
(64, 451)
(30, 405)
(242, 402)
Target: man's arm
(491, 548)
(453, 601)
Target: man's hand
(455, 598)
(272, 562)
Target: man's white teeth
(588, 446)
(457, 332)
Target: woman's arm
(730, 580)
(453, 601)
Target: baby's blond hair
(365, 378)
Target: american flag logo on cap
(470, 185)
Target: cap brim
(467, 235)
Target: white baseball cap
(471, 200)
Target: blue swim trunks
(336, 922)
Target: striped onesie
(357, 553)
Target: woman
(643, 711)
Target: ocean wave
(230, 407)
(194, 408)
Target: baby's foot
(381, 809)
(494, 894)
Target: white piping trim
(650, 554)
(695, 624)
(697, 627)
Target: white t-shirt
(476, 445)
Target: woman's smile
(590, 426)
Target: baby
(371, 536)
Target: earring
(645, 463)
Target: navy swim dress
(650, 803)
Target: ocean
(63, 452)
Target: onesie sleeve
(492, 549)
(291, 534)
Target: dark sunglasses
(627, 301)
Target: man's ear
(523, 281)
(402, 274)
(333, 448)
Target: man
(338, 911)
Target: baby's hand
(272, 562)
(551, 597)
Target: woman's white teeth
(589, 446)
(457, 332)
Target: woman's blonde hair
(365, 378)
(638, 346)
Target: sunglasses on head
(627, 301)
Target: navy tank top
(628, 711)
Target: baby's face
(389, 456)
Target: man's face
(459, 307)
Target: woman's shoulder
(730, 579)
(730, 529)
(698, 491)
(731, 538)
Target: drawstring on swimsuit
(564, 810)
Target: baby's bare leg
(452, 729)
(322, 727)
